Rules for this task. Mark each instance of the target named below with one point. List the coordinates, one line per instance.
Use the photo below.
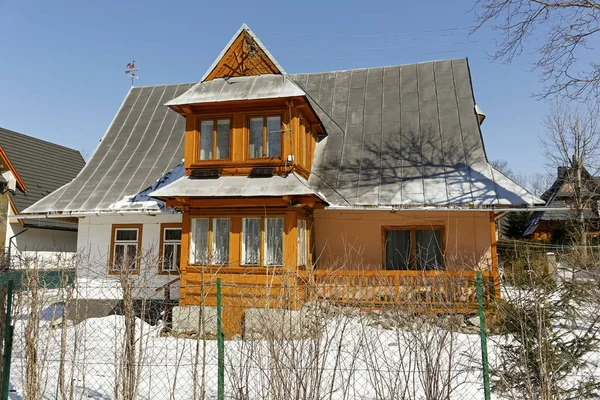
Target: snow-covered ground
(353, 358)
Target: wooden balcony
(417, 291)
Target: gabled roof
(400, 136)
(244, 50)
(43, 167)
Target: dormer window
(264, 137)
(214, 139)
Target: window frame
(210, 241)
(163, 228)
(198, 131)
(413, 241)
(263, 244)
(113, 243)
(264, 115)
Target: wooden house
(559, 220)
(364, 178)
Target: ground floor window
(262, 241)
(413, 248)
(170, 248)
(209, 241)
(125, 248)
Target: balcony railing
(438, 291)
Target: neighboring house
(32, 169)
(283, 175)
(547, 225)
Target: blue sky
(62, 66)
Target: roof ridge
(378, 67)
(164, 84)
(40, 140)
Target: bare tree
(572, 140)
(539, 182)
(563, 29)
(519, 177)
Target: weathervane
(131, 71)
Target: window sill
(249, 270)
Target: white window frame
(119, 268)
(170, 242)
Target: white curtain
(220, 241)
(273, 136)
(302, 250)
(274, 241)
(199, 241)
(206, 140)
(251, 241)
(255, 149)
(223, 130)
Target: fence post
(8, 339)
(483, 335)
(220, 345)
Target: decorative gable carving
(244, 55)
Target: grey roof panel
(236, 186)
(144, 141)
(238, 88)
(404, 135)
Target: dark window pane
(131, 256)
(273, 136)
(397, 249)
(127, 234)
(119, 255)
(255, 148)
(429, 249)
(168, 257)
(173, 234)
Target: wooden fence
(438, 291)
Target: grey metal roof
(246, 28)
(43, 167)
(401, 136)
(239, 88)
(143, 142)
(236, 186)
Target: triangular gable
(244, 55)
(6, 161)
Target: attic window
(214, 139)
(264, 137)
